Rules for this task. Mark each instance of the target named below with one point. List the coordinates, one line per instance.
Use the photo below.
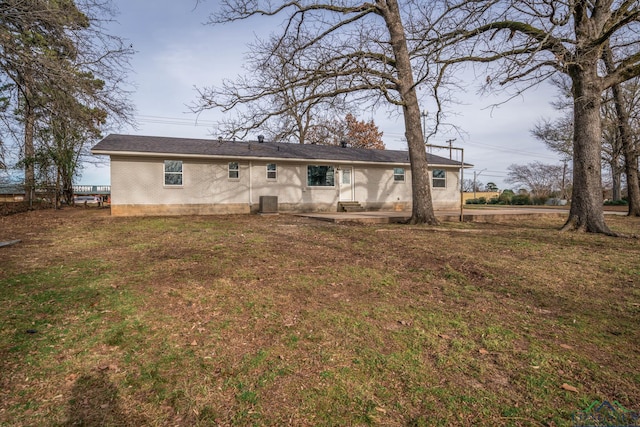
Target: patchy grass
(247, 320)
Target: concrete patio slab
(469, 215)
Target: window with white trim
(439, 178)
(320, 176)
(272, 171)
(173, 172)
(234, 170)
(398, 174)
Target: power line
(174, 121)
(194, 122)
(516, 151)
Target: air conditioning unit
(268, 204)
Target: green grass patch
(246, 320)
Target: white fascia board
(435, 165)
(248, 158)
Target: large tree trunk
(586, 213)
(29, 153)
(633, 181)
(422, 212)
(626, 139)
(616, 179)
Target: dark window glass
(320, 176)
(172, 172)
(439, 178)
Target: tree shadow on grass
(94, 402)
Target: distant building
(11, 193)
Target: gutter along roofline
(248, 158)
(261, 159)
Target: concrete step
(350, 207)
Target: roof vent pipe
(260, 139)
(343, 143)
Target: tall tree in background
(557, 135)
(34, 41)
(620, 132)
(624, 136)
(269, 99)
(632, 151)
(351, 131)
(612, 155)
(360, 49)
(361, 134)
(50, 50)
(67, 127)
(524, 42)
(539, 178)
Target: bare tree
(269, 98)
(359, 49)
(540, 179)
(618, 134)
(525, 42)
(469, 185)
(632, 150)
(612, 154)
(624, 136)
(556, 134)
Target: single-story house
(175, 176)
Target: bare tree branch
(358, 52)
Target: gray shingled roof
(155, 145)
(11, 189)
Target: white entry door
(346, 184)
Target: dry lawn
(281, 320)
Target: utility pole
(474, 181)
(450, 142)
(474, 184)
(424, 125)
(564, 176)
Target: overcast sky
(175, 52)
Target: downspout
(461, 185)
(250, 186)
